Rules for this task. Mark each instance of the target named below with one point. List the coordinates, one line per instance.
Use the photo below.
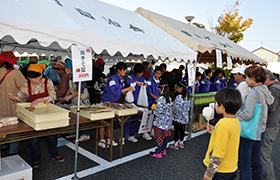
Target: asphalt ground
(136, 162)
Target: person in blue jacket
(224, 80)
(114, 89)
(217, 84)
(231, 82)
(140, 81)
(205, 83)
(197, 84)
(152, 90)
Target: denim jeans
(35, 150)
(163, 146)
(249, 161)
(225, 176)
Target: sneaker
(132, 139)
(70, 136)
(156, 155)
(113, 142)
(147, 136)
(35, 164)
(58, 158)
(102, 143)
(122, 140)
(174, 146)
(181, 145)
(163, 152)
(152, 133)
(84, 138)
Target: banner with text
(82, 64)
(146, 122)
(219, 58)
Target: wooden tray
(45, 116)
(93, 116)
(125, 112)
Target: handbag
(249, 129)
(143, 97)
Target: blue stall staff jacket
(131, 79)
(113, 89)
(205, 85)
(152, 89)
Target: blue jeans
(132, 126)
(13, 147)
(249, 161)
(35, 150)
(224, 176)
(163, 146)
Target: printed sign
(82, 64)
(146, 122)
(191, 75)
(229, 63)
(219, 58)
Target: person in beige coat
(9, 84)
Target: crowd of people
(168, 97)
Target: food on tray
(30, 108)
(118, 105)
(94, 109)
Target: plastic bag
(143, 97)
(8, 121)
(129, 95)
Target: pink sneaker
(156, 155)
(163, 152)
(181, 145)
(174, 146)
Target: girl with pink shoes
(163, 120)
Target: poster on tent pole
(219, 59)
(81, 64)
(229, 63)
(191, 75)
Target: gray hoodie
(273, 119)
(257, 93)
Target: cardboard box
(199, 123)
(15, 168)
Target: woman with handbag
(253, 112)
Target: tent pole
(75, 177)
(192, 104)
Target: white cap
(238, 70)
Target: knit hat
(8, 56)
(68, 64)
(100, 61)
(60, 64)
(37, 68)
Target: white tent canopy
(200, 40)
(54, 25)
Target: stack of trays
(44, 116)
(122, 109)
(94, 112)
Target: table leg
(96, 140)
(121, 145)
(111, 137)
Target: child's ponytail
(184, 92)
(163, 85)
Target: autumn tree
(230, 24)
(201, 26)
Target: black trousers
(179, 132)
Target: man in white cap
(239, 77)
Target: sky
(264, 32)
